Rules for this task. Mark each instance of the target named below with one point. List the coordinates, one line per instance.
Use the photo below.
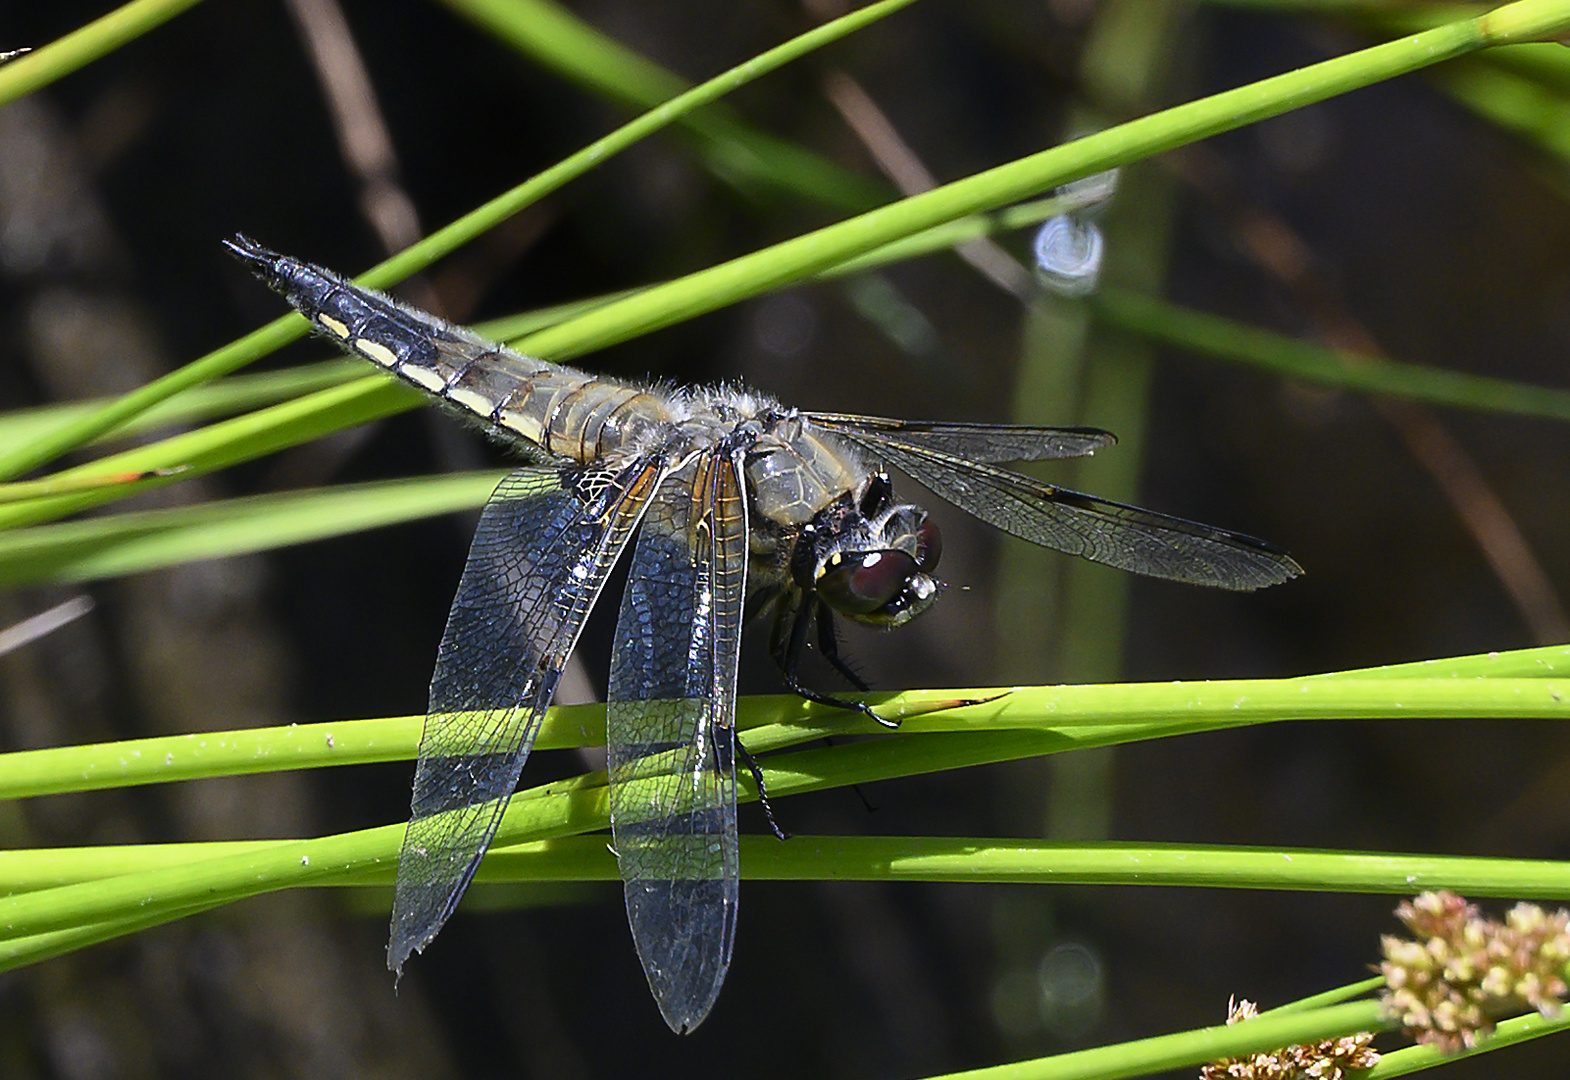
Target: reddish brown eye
(929, 546)
(866, 582)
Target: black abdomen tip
(263, 262)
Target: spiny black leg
(792, 661)
(829, 642)
(763, 793)
(817, 697)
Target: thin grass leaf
(63, 888)
(120, 485)
(1519, 1029)
(226, 397)
(978, 860)
(1536, 114)
(46, 868)
(1544, 661)
(82, 46)
(955, 233)
(122, 410)
(171, 890)
(511, 327)
(1520, 88)
(1189, 1048)
(514, 329)
(230, 442)
(1330, 997)
(736, 153)
(108, 547)
(1223, 339)
(168, 758)
(970, 859)
(35, 948)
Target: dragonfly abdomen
(577, 416)
(567, 413)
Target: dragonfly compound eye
(885, 588)
(863, 582)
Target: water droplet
(1069, 249)
(1068, 256)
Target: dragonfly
(732, 505)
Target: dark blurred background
(1389, 219)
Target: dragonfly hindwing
(671, 734)
(545, 544)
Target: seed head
(1328, 1059)
(1463, 969)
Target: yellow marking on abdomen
(424, 376)
(469, 399)
(333, 325)
(372, 350)
(527, 426)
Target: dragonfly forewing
(1125, 537)
(990, 443)
(670, 726)
(545, 544)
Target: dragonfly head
(876, 565)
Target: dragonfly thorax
(795, 471)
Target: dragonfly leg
(788, 651)
(829, 642)
(778, 646)
(763, 792)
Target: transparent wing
(670, 726)
(1100, 530)
(545, 543)
(988, 443)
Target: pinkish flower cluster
(1328, 1059)
(1463, 970)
